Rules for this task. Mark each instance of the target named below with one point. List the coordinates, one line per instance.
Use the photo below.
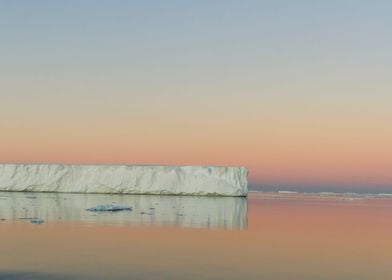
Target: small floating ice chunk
(36, 221)
(146, 213)
(109, 208)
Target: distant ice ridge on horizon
(125, 179)
(324, 193)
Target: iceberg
(125, 179)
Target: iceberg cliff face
(126, 179)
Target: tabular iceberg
(126, 179)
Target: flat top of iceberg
(128, 164)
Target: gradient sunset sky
(298, 91)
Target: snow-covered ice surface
(125, 179)
(148, 210)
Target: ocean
(268, 235)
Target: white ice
(127, 179)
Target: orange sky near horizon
(330, 154)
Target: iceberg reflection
(177, 211)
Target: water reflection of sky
(178, 211)
(287, 236)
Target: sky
(300, 92)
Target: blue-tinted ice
(109, 208)
(36, 221)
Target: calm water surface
(266, 236)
